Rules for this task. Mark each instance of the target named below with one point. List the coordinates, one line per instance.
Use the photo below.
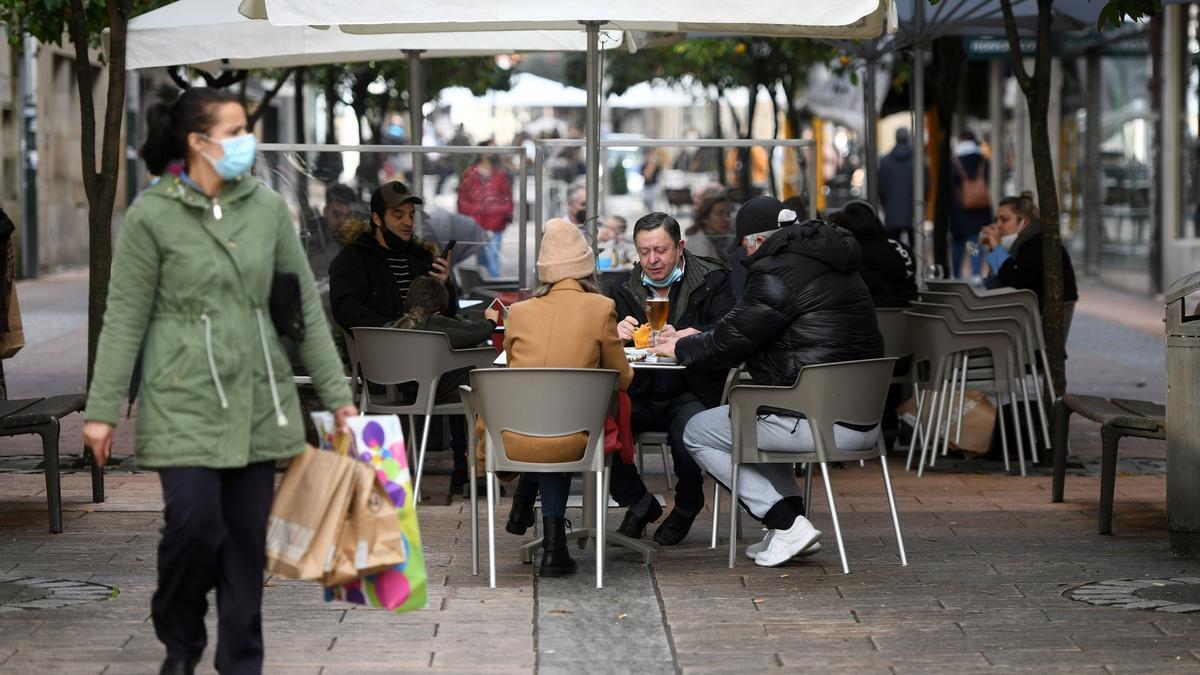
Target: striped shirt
(401, 273)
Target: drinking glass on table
(657, 311)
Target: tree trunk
(261, 108)
(1037, 93)
(100, 180)
(331, 98)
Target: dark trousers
(554, 487)
(671, 416)
(215, 536)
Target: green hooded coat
(192, 275)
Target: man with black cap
(804, 304)
(369, 279)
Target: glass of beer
(657, 310)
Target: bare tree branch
(1014, 47)
(261, 109)
(77, 29)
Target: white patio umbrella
(781, 18)
(209, 35)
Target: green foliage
(47, 20)
(1115, 12)
(722, 62)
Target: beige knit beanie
(565, 253)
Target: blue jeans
(554, 488)
(491, 254)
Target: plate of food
(636, 355)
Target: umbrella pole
(918, 136)
(871, 131)
(416, 117)
(592, 133)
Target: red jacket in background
(487, 199)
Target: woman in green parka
(192, 276)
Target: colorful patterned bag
(378, 441)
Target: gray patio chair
(853, 392)
(390, 356)
(963, 319)
(660, 439)
(541, 402)
(1016, 314)
(935, 340)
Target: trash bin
(1183, 416)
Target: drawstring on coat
(280, 418)
(212, 362)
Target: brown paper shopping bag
(978, 421)
(308, 513)
(370, 539)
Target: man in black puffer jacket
(805, 304)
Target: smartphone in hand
(446, 251)
(500, 307)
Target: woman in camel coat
(567, 324)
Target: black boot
(645, 511)
(556, 560)
(174, 666)
(674, 528)
(520, 518)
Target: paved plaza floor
(997, 576)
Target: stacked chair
(963, 338)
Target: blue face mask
(239, 156)
(675, 275)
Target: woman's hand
(98, 436)
(341, 415)
(989, 236)
(492, 314)
(441, 269)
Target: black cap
(760, 215)
(392, 194)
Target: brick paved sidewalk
(990, 561)
(990, 558)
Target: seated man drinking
(699, 295)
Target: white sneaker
(785, 544)
(754, 549)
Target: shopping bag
(13, 339)
(308, 513)
(370, 540)
(377, 441)
(978, 422)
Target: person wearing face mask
(370, 278)
(1014, 244)
(700, 294)
(192, 277)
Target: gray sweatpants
(709, 437)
